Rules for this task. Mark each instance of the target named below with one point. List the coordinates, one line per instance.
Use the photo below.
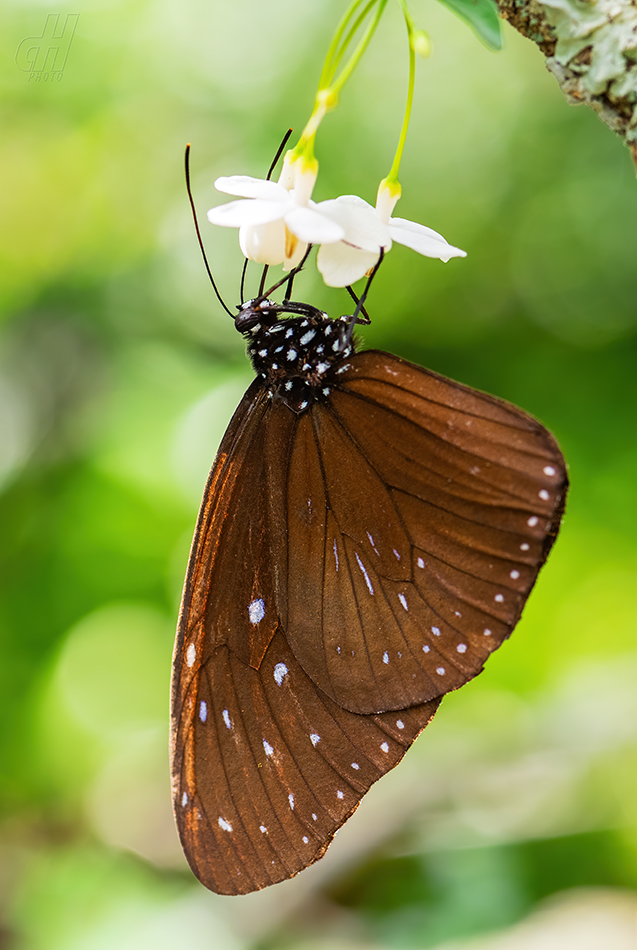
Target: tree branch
(591, 49)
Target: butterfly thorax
(298, 357)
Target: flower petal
(341, 265)
(263, 243)
(312, 227)
(422, 239)
(247, 187)
(236, 214)
(363, 228)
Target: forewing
(439, 506)
(230, 590)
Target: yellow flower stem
(334, 54)
(360, 49)
(391, 182)
(352, 32)
(330, 87)
(328, 90)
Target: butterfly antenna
(243, 280)
(278, 154)
(361, 302)
(288, 277)
(194, 217)
(293, 273)
(354, 297)
(262, 282)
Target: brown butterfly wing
(348, 560)
(270, 770)
(439, 505)
(265, 767)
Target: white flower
(276, 220)
(368, 229)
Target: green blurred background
(512, 823)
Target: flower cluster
(277, 221)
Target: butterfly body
(369, 533)
(298, 357)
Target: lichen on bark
(591, 49)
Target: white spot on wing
(256, 611)
(184, 799)
(544, 495)
(335, 554)
(384, 746)
(291, 800)
(425, 649)
(280, 672)
(305, 339)
(315, 738)
(440, 671)
(191, 654)
(224, 824)
(403, 600)
(367, 580)
(355, 765)
(549, 470)
(339, 794)
(532, 521)
(396, 554)
(305, 838)
(514, 575)
(400, 724)
(499, 599)
(385, 657)
(462, 648)
(203, 710)
(314, 817)
(262, 829)
(420, 562)
(226, 718)
(268, 748)
(524, 546)
(371, 541)
(487, 632)
(435, 631)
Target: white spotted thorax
(297, 356)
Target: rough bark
(591, 49)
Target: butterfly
(369, 533)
